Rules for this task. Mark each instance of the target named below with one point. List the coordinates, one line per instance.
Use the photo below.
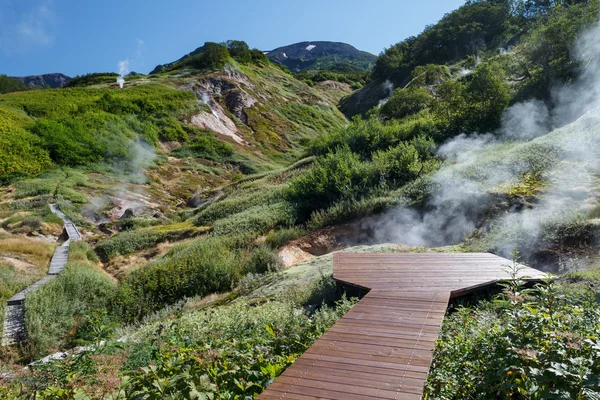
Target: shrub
(32, 221)
(256, 220)
(339, 175)
(54, 312)
(207, 265)
(260, 341)
(22, 153)
(213, 56)
(236, 203)
(239, 51)
(405, 102)
(131, 241)
(544, 346)
(365, 137)
(281, 237)
(96, 78)
(208, 147)
(83, 126)
(343, 177)
(262, 259)
(33, 203)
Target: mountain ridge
(53, 80)
(322, 55)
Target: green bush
(343, 177)
(239, 51)
(82, 126)
(365, 137)
(207, 265)
(237, 203)
(213, 56)
(256, 220)
(9, 84)
(131, 241)
(261, 260)
(405, 102)
(339, 175)
(530, 344)
(22, 153)
(260, 341)
(96, 78)
(281, 237)
(32, 221)
(208, 147)
(54, 312)
(30, 204)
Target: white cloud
(23, 28)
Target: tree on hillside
(478, 25)
(239, 51)
(8, 85)
(405, 102)
(488, 96)
(548, 47)
(475, 104)
(214, 56)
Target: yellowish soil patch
(20, 265)
(36, 252)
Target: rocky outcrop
(226, 95)
(237, 101)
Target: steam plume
(123, 71)
(476, 165)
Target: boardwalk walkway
(14, 324)
(383, 347)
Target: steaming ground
(470, 193)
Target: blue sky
(80, 36)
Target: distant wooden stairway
(14, 324)
(383, 347)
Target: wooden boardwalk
(14, 324)
(383, 347)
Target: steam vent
(383, 347)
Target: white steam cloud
(388, 89)
(467, 190)
(123, 71)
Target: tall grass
(37, 252)
(54, 312)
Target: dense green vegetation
(8, 84)
(214, 56)
(544, 341)
(355, 79)
(96, 78)
(226, 352)
(539, 35)
(82, 126)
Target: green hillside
(211, 194)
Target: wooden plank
(382, 348)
